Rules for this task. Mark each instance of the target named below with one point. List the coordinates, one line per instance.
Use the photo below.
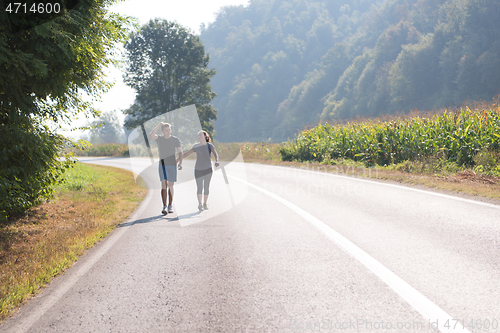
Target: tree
(44, 69)
(107, 129)
(46, 62)
(167, 66)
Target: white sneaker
(164, 210)
(170, 209)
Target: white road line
(358, 180)
(419, 302)
(25, 324)
(386, 184)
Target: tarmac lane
(296, 251)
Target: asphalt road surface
(283, 250)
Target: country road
(283, 250)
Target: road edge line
(418, 301)
(384, 183)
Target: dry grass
(49, 238)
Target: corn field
(456, 136)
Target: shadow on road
(159, 218)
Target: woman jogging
(203, 167)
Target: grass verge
(49, 238)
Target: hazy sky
(189, 13)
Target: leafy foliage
(44, 66)
(28, 166)
(457, 136)
(167, 66)
(106, 149)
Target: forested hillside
(285, 64)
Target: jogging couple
(168, 164)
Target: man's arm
(179, 150)
(153, 135)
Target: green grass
(78, 178)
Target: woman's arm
(214, 151)
(184, 155)
(190, 151)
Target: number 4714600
(40, 8)
(478, 324)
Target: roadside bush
(105, 149)
(434, 164)
(487, 161)
(29, 165)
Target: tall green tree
(168, 67)
(44, 69)
(46, 63)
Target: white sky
(188, 13)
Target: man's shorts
(168, 172)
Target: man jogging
(167, 169)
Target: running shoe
(170, 209)
(205, 206)
(200, 207)
(164, 210)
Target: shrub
(105, 149)
(29, 165)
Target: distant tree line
(106, 129)
(285, 64)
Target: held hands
(179, 167)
